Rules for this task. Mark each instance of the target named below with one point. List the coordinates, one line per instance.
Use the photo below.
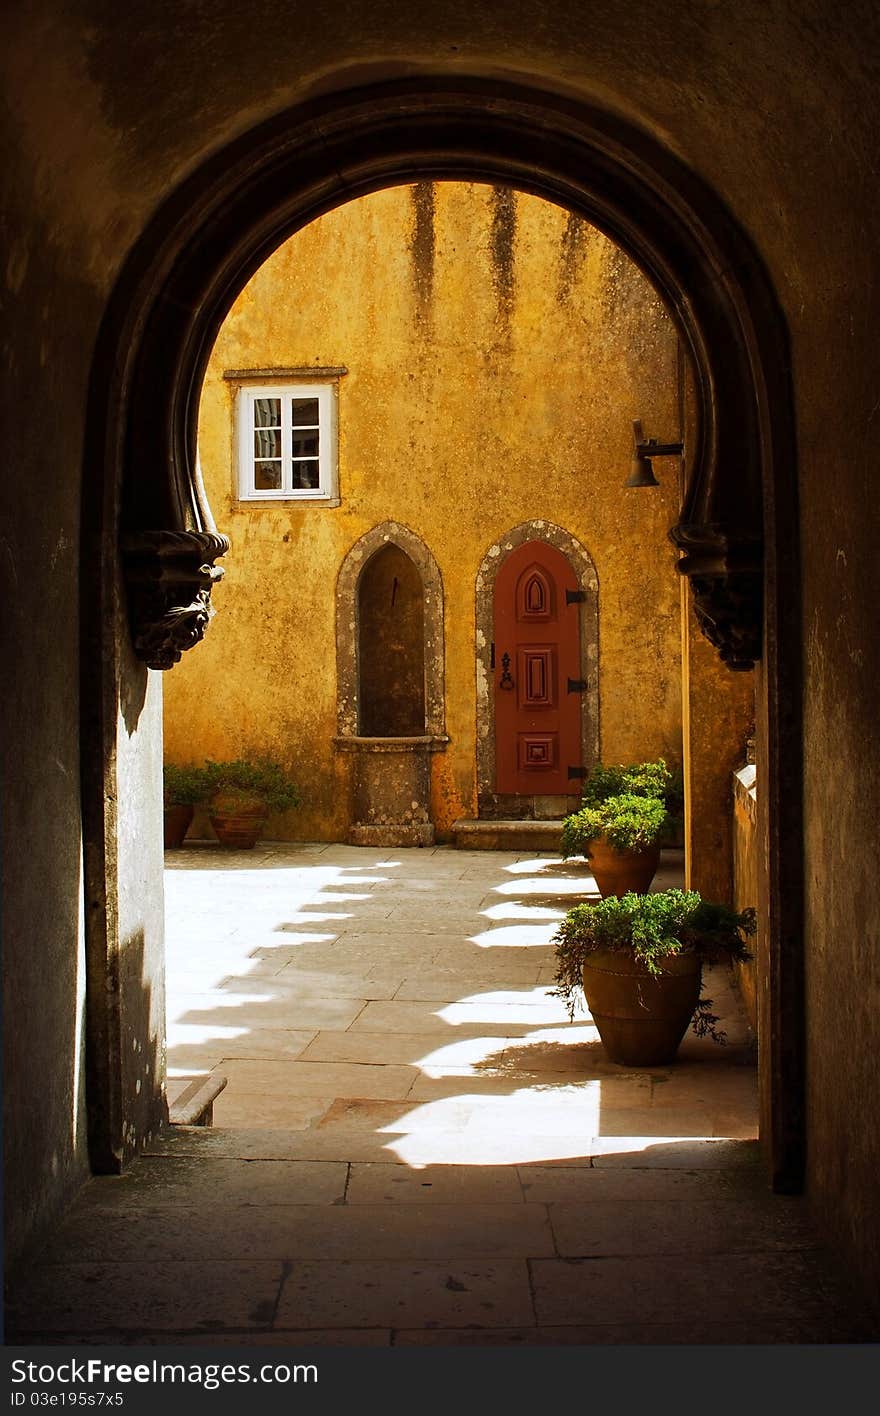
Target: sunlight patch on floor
(512, 909)
(515, 936)
(563, 885)
(485, 1056)
(521, 1007)
(528, 867)
(539, 1123)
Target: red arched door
(537, 674)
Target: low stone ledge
(191, 1099)
(507, 835)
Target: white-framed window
(287, 444)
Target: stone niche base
(391, 782)
(422, 835)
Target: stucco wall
(745, 875)
(41, 866)
(773, 105)
(497, 351)
(719, 714)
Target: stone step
(504, 835)
(191, 1099)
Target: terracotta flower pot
(177, 822)
(237, 821)
(641, 1017)
(616, 872)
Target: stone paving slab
(469, 1145)
(415, 922)
(268, 1143)
(629, 1094)
(374, 1182)
(439, 984)
(111, 1297)
(535, 1090)
(172, 1181)
(266, 1009)
(646, 1227)
(448, 1295)
(645, 1152)
(636, 1290)
(283, 967)
(417, 1049)
(192, 1044)
(654, 1121)
(510, 1017)
(692, 1332)
(289, 1232)
(230, 1338)
(275, 1112)
(586, 1185)
(397, 1117)
(304, 1079)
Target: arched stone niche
(388, 534)
(388, 592)
(391, 645)
(489, 803)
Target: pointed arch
(738, 528)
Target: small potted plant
(243, 793)
(184, 786)
(620, 837)
(638, 959)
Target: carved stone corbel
(726, 576)
(169, 576)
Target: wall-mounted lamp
(642, 473)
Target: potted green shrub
(638, 959)
(243, 793)
(648, 779)
(184, 787)
(620, 837)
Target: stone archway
(738, 527)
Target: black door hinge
(492, 655)
(575, 597)
(576, 772)
(577, 685)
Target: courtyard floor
(415, 1145)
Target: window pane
(267, 442)
(305, 412)
(267, 476)
(305, 475)
(305, 444)
(267, 412)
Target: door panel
(537, 658)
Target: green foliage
(628, 822)
(259, 777)
(645, 779)
(650, 928)
(185, 785)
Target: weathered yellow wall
(498, 350)
(745, 877)
(719, 715)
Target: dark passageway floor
(415, 1145)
